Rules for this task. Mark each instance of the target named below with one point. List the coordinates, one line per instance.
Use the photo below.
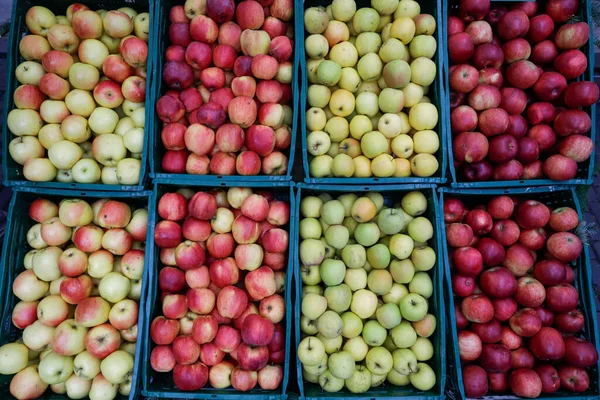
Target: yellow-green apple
(55, 368)
(39, 19)
(85, 365)
(34, 237)
(63, 38)
(22, 149)
(45, 263)
(28, 287)
(15, 356)
(254, 42)
(117, 24)
(103, 388)
(75, 128)
(117, 367)
(77, 387)
(93, 52)
(80, 102)
(50, 134)
(141, 26)
(38, 336)
(138, 224)
(134, 89)
(29, 73)
(102, 340)
(114, 287)
(54, 233)
(83, 76)
(128, 171)
(24, 122)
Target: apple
(574, 379)
(495, 358)
(525, 382)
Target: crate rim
(440, 318)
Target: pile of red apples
(224, 260)
(77, 300)
(519, 106)
(228, 75)
(519, 329)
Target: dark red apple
(546, 316)
(488, 55)
(503, 148)
(573, 379)
(460, 48)
(496, 12)
(506, 232)
(544, 135)
(571, 63)
(569, 322)
(543, 52)
(550, 86)
(477, 308)
(561, 10)
(564, 246)
(455, 25)
(514, 100)
(453, 209)
(581, 94)
(467, 261)
(498, 282)
(528, 7)
(504, 308)
(517, 126)
(562, 298)
(474, 381)
(541, 113)
(525, 382)
(513, 24)
(461, 321)
(530, 292)
(532, 214)
(457, 99)
(495, 358)
(480, 221)
(492, 252)
(473, 10)
(522, 74)
(529, 150)
(493, 121)
(549, 272)
(498, 382)
(521, 358)
(572, 122)
(500, 207)
(525, 322)
(508, 171)
(540, 27)
(477, 172)
(547, 344)
(549, 377)
(570, 275)
(463, 286)
(580, 352)
(490, 332)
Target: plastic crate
(160, 385)
(15, 247)
(585, 170)
(391, 193)
(161, 22)
(554, 196)
(437, 94)
(13, 172)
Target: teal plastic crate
(585, 171)
(391, 194)
(15, 247)
(161, 22)
(13, 172)
(553, 196)
(437, 93)
(160, 385)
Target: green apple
(365, 20)
(370, 67)
(330, 324)
(344, 54)
(385, 7)
(311, 351)
(391, 221)
(331, 345)
(350, 223)
(354, 256)
(426, 326)
(377, 380)
(311, 378)
(310, 207)
(391, 100)
(356, 279)
(402, 146)
(320, 166)
(347, 200)
(379, 361)
(333, 212)
(310, 274)
(377, 199)
(350, 80)
(367, 234)
(359, 125)
(366, 104)
(379, 281)
(413, 307)
(388, 315)
(373, 144)
(311, 66)
(330, 383)
(421, 284)
(402, 270)
(368, 42)
(393, 49)
(343, 10)
(353, 325)
(373, 333)
(310, 228)
(390, 125)
(311, 289)
(414, 203)
(312, 252)
(389, 343)
(315, 19)
(339, 129)
(397, 292)
(329, 250)
(420, 229)
(308, 326)
(318, 143)
(329, 73)
(405, 361)
(337, 236)
(332, 272)
(367, 267)
(316, 47)
(319, 95)
(378, 256)
(364, 303)
(324, 225)
(360, 381)
(317, 369)
(423, 349)
(357, 347)
(313, 305)
(385, 240)
(397, 379)
(338, 297)
(422, 46)
(403, 335)
(401, 246)
(423, 258)
(424, 377)
(423, 70)
(341, 364)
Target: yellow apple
(362, 167)
(426, 141)
(424, 165)
(423, 116)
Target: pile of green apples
(365, 270)
(369, 73)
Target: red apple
(574, 379)
(521, 358)
(460, 48)
(491, 76)
(580, 352)
(453, 209)
(500, 207)
(517, 126)
(459, 235)
(514, 100)
(515, 50)
(492, 252)
(564, 246)
(467, 261)
(572, 36)
(506, 232)
(525, 322)
(190, 377)
(531, 214)
(544, 52)
(525, 382)
(475, 380)
(469, 345)
(503, 148)
(550, 86)
(470, 147)
(493, 121)
(477, 308)
(522, 74)
(498, 282)
(547, 344)
(576, 147)
(490, 332)
(488, 55)
(570, 322)
(510, 339)
(462, 286)
(513, 24)
(519, 259)
(504, 308)
(495, 358)
(549, 272)
(571, 63)
(464, 78)
(546, 315)
(549, 377)
(540, 27)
